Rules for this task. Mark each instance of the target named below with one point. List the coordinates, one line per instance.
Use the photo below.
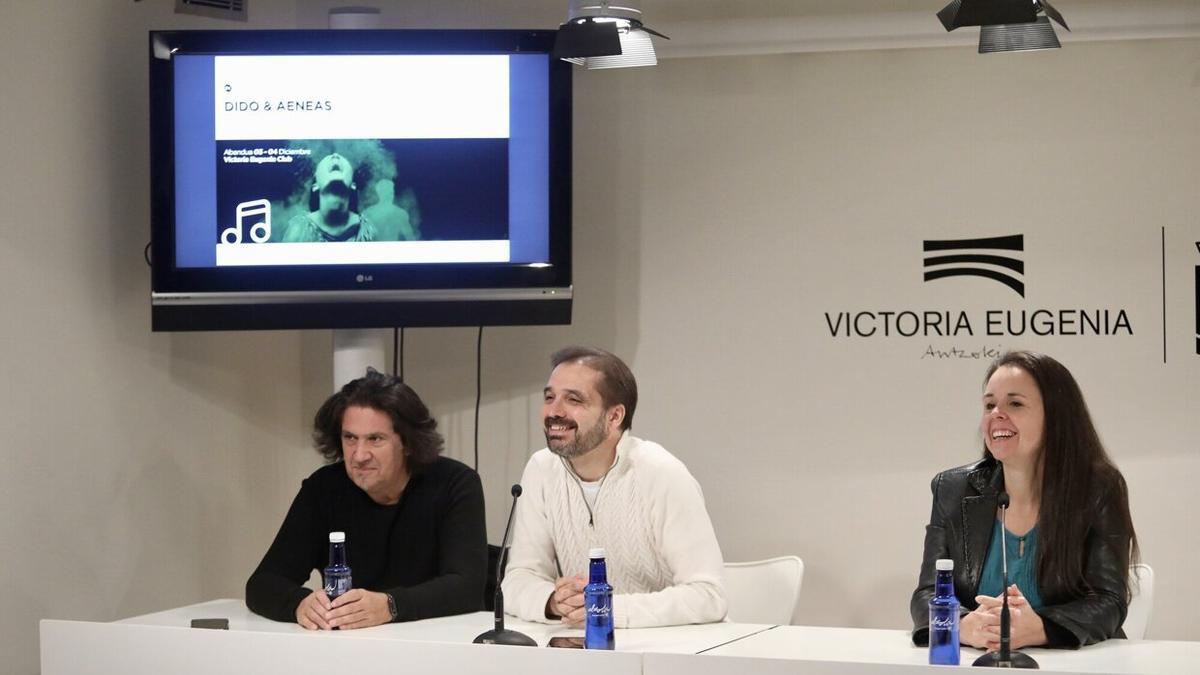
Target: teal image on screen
(334, 216)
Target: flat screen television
(359, 179)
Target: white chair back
(763, 591)
(1141, 581)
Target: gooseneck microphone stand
(500, 635)
(1004, 657)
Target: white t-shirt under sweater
(664, 563)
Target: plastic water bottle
(597, 599)
(943, 617)
(337, 574)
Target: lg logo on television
(364, 278)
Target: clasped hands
(566, 602)
(356, 608)
(981, 627)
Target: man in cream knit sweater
(596, 485)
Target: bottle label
(944, 622)
(598, 633)
(943, 631)
(599, 610)
(337, 585)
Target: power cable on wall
(398, 353)
(478, 390)
(398, 371)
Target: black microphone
(499, 635)
(1005, 658)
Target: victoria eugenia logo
(999, 259)
(991, 258)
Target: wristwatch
(392, 606)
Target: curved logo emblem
(992, 258)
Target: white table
(815, 649)
(163, 642)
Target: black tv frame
(334, 296)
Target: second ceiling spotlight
(603, 34)
(1006, 25)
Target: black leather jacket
(960, 528)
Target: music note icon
(259, 231)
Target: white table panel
(814, 649)
(164, 642)
(84, 648)
(462, 628)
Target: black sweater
(429, 551)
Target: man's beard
(584, 442)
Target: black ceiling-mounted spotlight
(606, 34)
(1006, 25)
(586, 37)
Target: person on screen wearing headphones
(1070, 538)
(596, 485)
(334, 218)
(416, 542)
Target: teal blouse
(1022, 566)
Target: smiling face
(573, 413)
(374, 454)
(1013, 417)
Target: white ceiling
(754, 9)
(713, 27)
(735, 27)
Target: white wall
(140, 470)
(722, 205)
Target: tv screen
(356, 179)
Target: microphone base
(505, 637)
(1015, 660)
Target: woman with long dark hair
(1070, 538)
